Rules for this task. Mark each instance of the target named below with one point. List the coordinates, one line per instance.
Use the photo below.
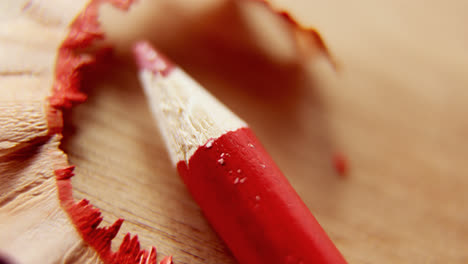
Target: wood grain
(397, 108)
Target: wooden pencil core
(187, 116)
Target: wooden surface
(397, 109)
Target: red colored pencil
(240, 190)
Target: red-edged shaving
(316, 38)
(239, 188)
(66, 92)
(28, 128)
(166, 260)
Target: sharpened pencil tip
(149, 58)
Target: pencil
(237, 185)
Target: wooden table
(397, 108)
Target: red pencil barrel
(252, 206)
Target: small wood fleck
(236, 180)
(243, 180)
(250, 145)
(221, 161)
(209, 144)
(239, 171)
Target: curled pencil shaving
(316, 40)
(35, 174)
(66, 92)
(30, 127)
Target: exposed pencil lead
(150, 59)
(187, 115)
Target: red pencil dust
(240, 190)
(341, 164)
